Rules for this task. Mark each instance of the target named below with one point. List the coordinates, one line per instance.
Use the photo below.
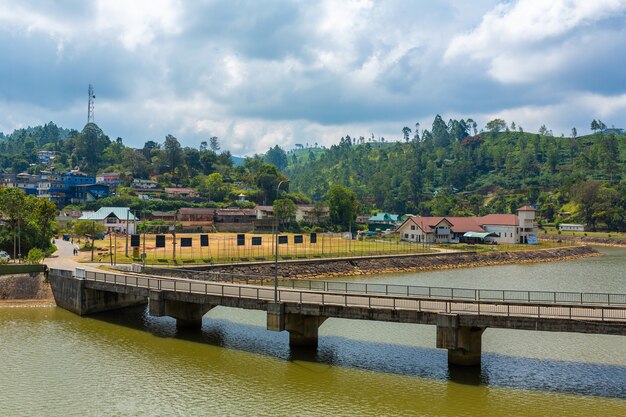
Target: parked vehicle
(5, 257)
(66, 237)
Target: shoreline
(30, 303)
(342, 267)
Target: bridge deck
(505, 314)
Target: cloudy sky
(259, 73)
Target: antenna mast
(92, 96)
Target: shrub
(35, 256)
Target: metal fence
(413, 291)
(394, 302)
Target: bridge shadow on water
(496, 370)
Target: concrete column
(186, 314)
(275, 317)
(303, 330)
(463, 342)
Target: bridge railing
(475, 294)
(395, 302)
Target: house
(115, 219)
(142, 184)
(234, 219)
(361, 219)
(308, 213)
(167, 216)
(383, 221)
(572, 227)
(45, 157)
(499, 228)
(112, 179)
(82, 194)
(196, 219)
(177, 193)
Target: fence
(472, 307)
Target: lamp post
(276, 246)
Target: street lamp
(276, 246)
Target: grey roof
(104, 212)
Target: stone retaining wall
(593, 240)
(325, 268)
(33, 286)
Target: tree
(88, 228)
(278, 157)
(214, 144)
(406, 131)
(267, 178)
(30, 219)
(319, 210)
(284, 210)
(496, 125)
(343, 205)
(173, 154)
(440, 133)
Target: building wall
(508, 234)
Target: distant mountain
(237, 160)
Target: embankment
(324, 268)
(587, 240)
(19, 288)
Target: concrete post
(303, 330)
(463, 343)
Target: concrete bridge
(460, 321)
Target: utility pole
(90, 104)
(174, 236)
(127, 213)
(93, 237)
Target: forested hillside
(451, 169)
(454, 171)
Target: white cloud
(137, 23)
(576, 110)
(528, 39)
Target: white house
(115, 219)
(508, 228)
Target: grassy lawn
(223, 248)
(543, 244)
(612, 235)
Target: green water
(53, 363)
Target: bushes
(35, 256)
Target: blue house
(383, 221)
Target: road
(64, 257)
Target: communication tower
(92, 96)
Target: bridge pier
(302, 328)
(72, 294)
(186, 314)
(464, 343)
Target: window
(406, 235)
(412, 227)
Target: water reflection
(497, 370)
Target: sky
(260, 73)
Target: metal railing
(439, 293)
(393, 302)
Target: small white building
(115, 219)
(572, 227)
